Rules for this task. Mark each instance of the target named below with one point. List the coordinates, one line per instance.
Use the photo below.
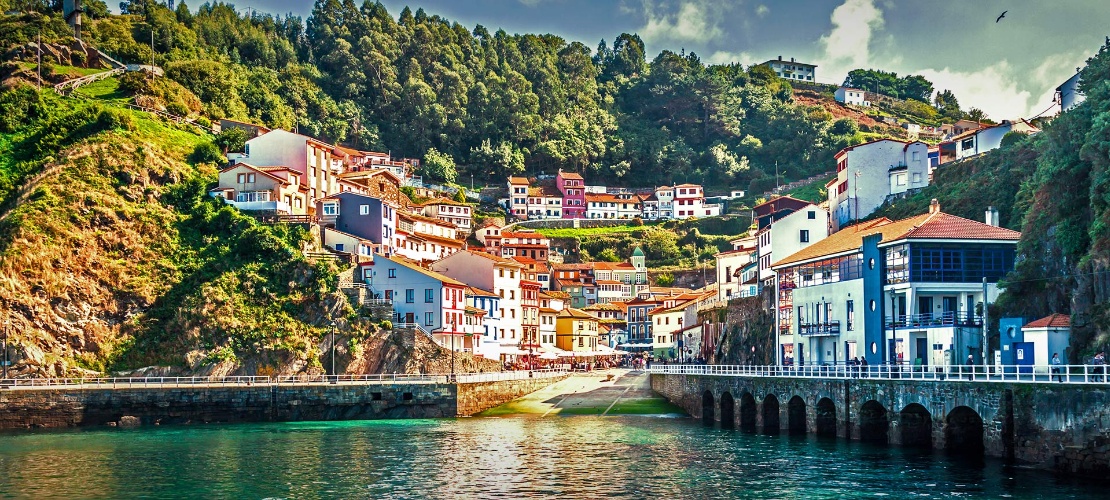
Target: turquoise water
(569, 457)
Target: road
(601, 393)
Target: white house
(985, 139)
(613, 206)
(1051, 334)
(787, 236)
(869, 173)
(311, 158)
(457, 213)
(730, 267)
(1068, 94)
(498, 275)
(793, 70)
(849, 95)
(689, 201)
(422, 299)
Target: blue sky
(1009, 68)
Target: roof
(430, 220)
(401, 261)
(1051, 321)
(689, 186)
(638, 252)
(497, 260)
(518, 180)
(445, 201)
(849, 148)
(601, 306)
(478, 292)
(570, 175)
(780, 199)
(257, 169)
(937, 225)
(571, 312)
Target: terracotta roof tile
(1052, 321)
(946, 226)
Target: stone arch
(796, 416)
(728, 411)
(873, 422)
(707, 413)
(826, 417)
(916, 424)
(963, 432)
(770, 414)
(747, 412)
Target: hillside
(1054, 188)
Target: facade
(310, 158)
(573, 190)
(425, 239)
(525, 244)
(1049, 335)
(689, 201)
(360, 216)
(766, 213)
(849, 95)
(788, 235)
(637, 312)
(451, 211)
(487, 344)
(1068, 95)
(908, 292)
(349, 243)
(270, 189)
(613, 206)
(518, 197)
(793, 70)
(501, 277)
(576, 331)
(869, 173)
(730, 266)
(422, 299)
(665, 202)
(530, 317)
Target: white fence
(1072, 374)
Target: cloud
(691, 22)
(993, 89)
(847, 46)
(762, 10)
(726, 57)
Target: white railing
(1072, 374)
(352, 379)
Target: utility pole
(986, 327)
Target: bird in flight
(1001, 16)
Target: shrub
(112, 119)
(176, 108)
(206, 153)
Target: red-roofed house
(907, 291)
(269, 189)
(1049, 335)
(868, 174)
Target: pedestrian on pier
(970, 367)
(1056, 366)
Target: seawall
(75, 406)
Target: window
(331, 209)
(429, 318)
(250, 177)
(916, 156)
(364, 209)
(429, 295)
(851, 309)
(968, 143)
(512, 294)
(812, 214)
(804, 236)
(389, 294)
(392, 273)
(338, 247)
(239, 178)
(916, 177)
(410, 296)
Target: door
(1023, 356)
(921, 353)
(949, 306)
(925, 308)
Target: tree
(976, 115)
(664, 279)
(460, 196)
(439, 166)
(231, 140)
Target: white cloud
(692, 21)
(762, 10)
(847, 46)
(726, 57)
(993, 89)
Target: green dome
(637, 252)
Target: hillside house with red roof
(870, 173)
(908, 292)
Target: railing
(935, 319)
(1072, 374)
(132, 381)
(465, 378)
(819, 329)
(284, 218)
(155, 382)
(71, 85)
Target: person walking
(1100, 362)
(1056, 366)
(970, 367)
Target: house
(530, 317)
(451, 211)
(525, 243)
(376, 183)
(310, 158)
(909, 291)
(252, 130)
(550, 305)
(536, 270)
(372, 222)
(498, 275)
(689, 201)
(422, 299)
(611, 322)
(665, 202)
(1048, 335)
(268, 189)
(729, 264)
(489, 234)
(577, 281)
(613, 206)
(518, 197)
(793, 70)
(788, 235)
(639, 321)
(1067, 94)
(766, 213)
(868, 174)
(576, 331)
(425, 239)
(912, 129)
(852, 96)
(573, 190)
(670, 318)
(981, 140)
(650, 206)
(487, 344)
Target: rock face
(76, 54)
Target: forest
(494, 103)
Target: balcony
(829, 329)
(928, 320)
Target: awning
(513, 351)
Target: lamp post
(331, 330)
(893, 330)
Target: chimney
(992, 216)
(934, 206)
(780, 58)
(791, 59)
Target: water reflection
(578, 457)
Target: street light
(893, 329)
(331, 329)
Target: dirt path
(611, 392)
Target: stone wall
(474, 398)
(1059, 426)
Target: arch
(873, 422)
(917, 426)
(796, 416)
(963, 432)
(747, 412)
(728, 411)
(770, 414)
(826, 417)
(707, 413)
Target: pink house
(573, 188)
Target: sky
(1008, 68)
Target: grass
(106, 89)
(653, 406)
(591, 231)
(813, 192)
